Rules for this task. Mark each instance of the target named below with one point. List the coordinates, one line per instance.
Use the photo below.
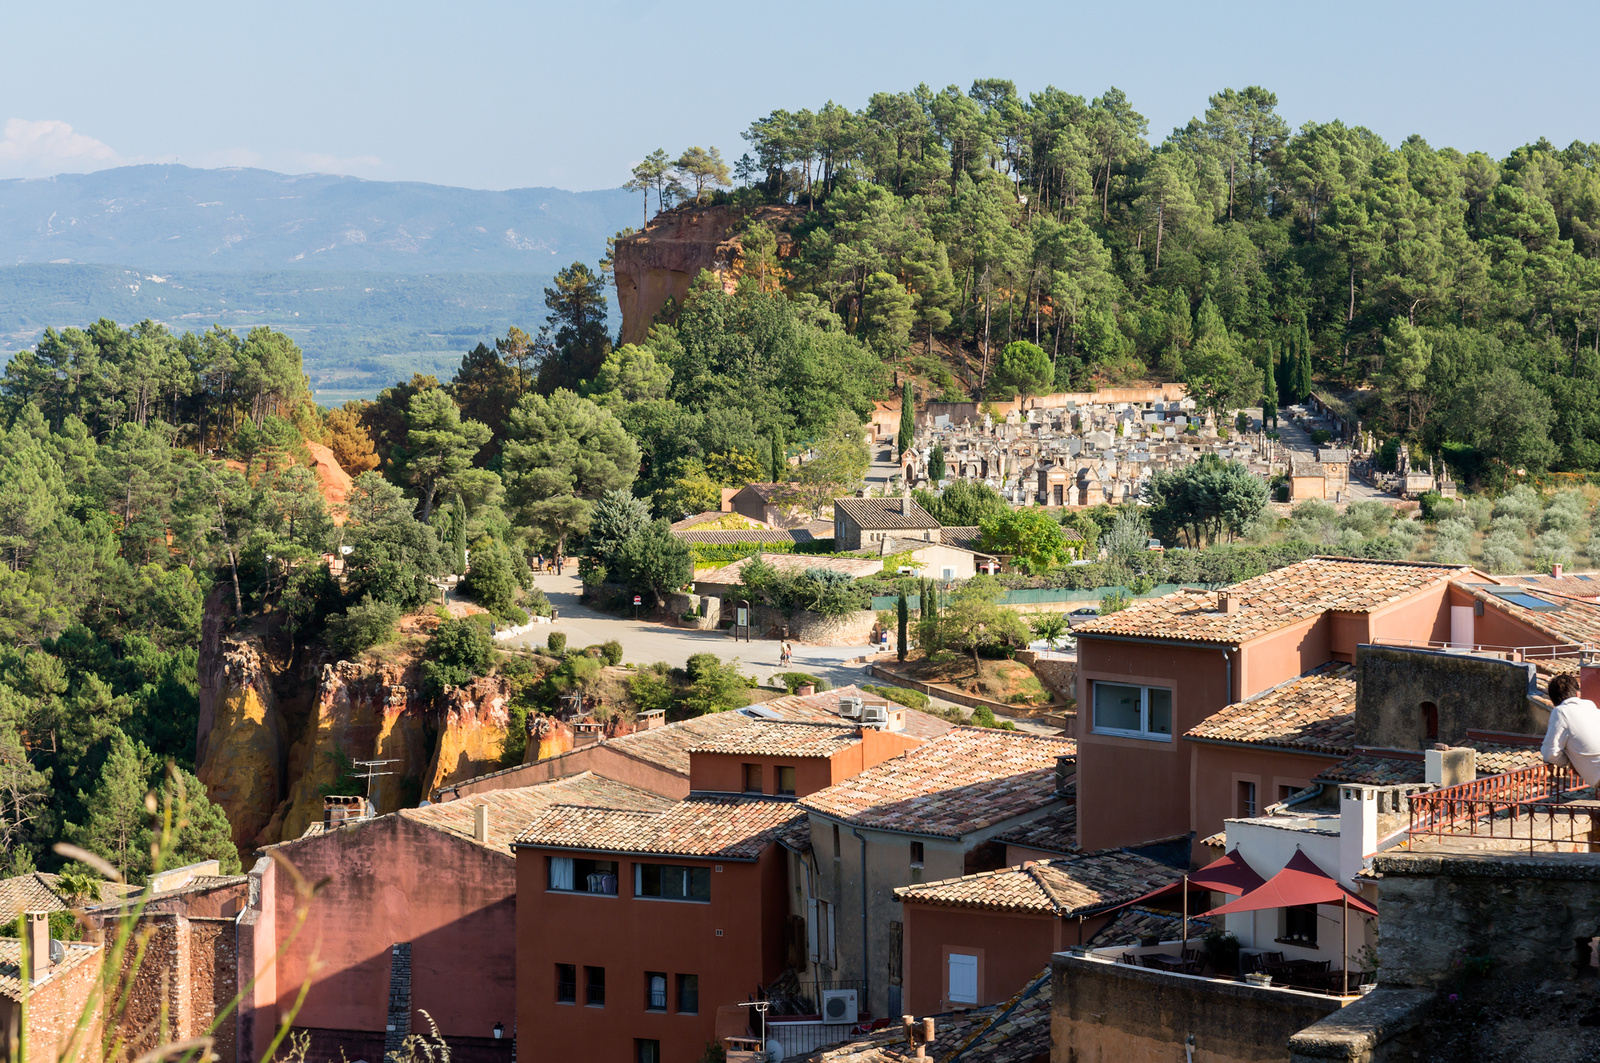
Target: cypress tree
(936, 468)
(922, 599)
(1269, 401)
(1305, 363)
(458, 534)
(908, 418)
(780, 456)
(903, 614)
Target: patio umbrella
(1300, 883)
(1230, 875)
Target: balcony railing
(1532, 804)
(1518, 654)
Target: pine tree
(118, 827)
(1269, 401)
(902, 614)
(908, 418)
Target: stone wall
(852, 629)
(1115, 1013)
(1469, 692)
(1059, 675)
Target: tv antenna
(370, 774)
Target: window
(571, 875)
(916, 854)
(838, 853)
(820, 935)
(1247, 799)
(752, 778)
(646, 1051)
(672, 882)
(1429, 712)
(785, 781)
(655, 991)
(688, 994)
(566, 983)
(594, 986)
(963, 981)
(1300, 925)
(1137, 712)
(1287, 790)
(949, 573)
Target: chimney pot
(1229, 602)
(38, 944)
(1555, 570)
(480, 824)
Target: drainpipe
(864, 964)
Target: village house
(973, 940)
(930, 814)
(634, 927)
(863, 523)
(792, 759)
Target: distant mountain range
(374, 279)
(176, 217)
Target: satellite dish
(774, 1050)
(58, 952)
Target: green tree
(492, 580)
(565, 445)
(1269, 389)
(654, 561)
(703, 169)
(441, 445)
(887, 314)
(457, 652)
(964, 504)
(936, 469)
(838, 463)
(1030, 536)
(908, 419)
(973, 619)
(780, 456)
(902, 614)
(577, 307)
(1024, 369)
(118, 824)
(1203, 501)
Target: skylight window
(1524, 599)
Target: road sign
(637, 600)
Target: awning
(1301, 882)
(1230, 875)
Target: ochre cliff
(240, 747)
(661, 261)
(472, 733)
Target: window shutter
(811, 930)
(963, 979)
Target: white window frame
(1144, 731)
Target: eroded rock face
(472, 733)
(241, 745)
(661, 261)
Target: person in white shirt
(1573, 737)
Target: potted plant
(1222, 951)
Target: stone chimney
(38, 944)
(1444, 766)
(1066, 774)
(1229, 602)
(480, 823)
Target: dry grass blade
(84, 856)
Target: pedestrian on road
(560, 560)
(786, 654)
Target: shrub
(1499, 558)
(1568, 512)
(650, 692)
(492, 581)
(795, 680)
(983, 716)
(458, 652)
(535, 602)
(611, 650)
(363, 626)
(714, 686)
(557, 643)
(1449, 552)
(579, 671)
(1552, 548)
(911, 699)
(1521, 503)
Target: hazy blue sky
(495, 94)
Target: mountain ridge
(166, 216)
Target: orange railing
(1497, 805)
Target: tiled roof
(1373, 768)
(884, 514)
(1134, 923)
(1315, 712)
(11, 965)
(31, 892)
(824, 706)
(1073, 885)
(1571, 584)
(782, 738)
(797, 835)
(711, 516)
(892, 545)
(729, 827)
(766, 492)
(854, 567)
(1571, 621)
(510, 811)
(1054, 832)
(1276, 600)
(965, 536)
(1017, 1031)
(753, 535)
(964, 780)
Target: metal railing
(1512, 806)
(1517, 654)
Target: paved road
(645, 642)
(1298, 440)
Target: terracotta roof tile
(783, 738)
(1276, 600)
(724, 537)
(854, 567)
(712, 516)
(1569, 621)
(1315, 712)
(729, 827)
(1073, 885)
(1571, 584)
(1133, 924)
(11, 965)
(31, 892)
(884, 514)
(964, 780)
(510, 811)
(1373, 768)
(1054, 832)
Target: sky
(498, 94)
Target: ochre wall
(599, 758)
(1012, 949)
(724, 772)
(395, 881)
(733, 943)
(1217, 771)
(1133, 790)
(53, 1010)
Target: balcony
(1542, 808)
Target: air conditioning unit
(850, 707)
(838, 1005)
(875, 716)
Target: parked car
(1083, 615)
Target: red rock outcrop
(662, 260)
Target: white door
(1461, 624)
(963, 979)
